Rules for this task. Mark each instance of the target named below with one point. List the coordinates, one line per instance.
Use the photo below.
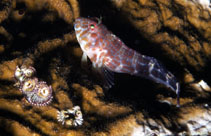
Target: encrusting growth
(70, 117)
(36, 92)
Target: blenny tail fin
(152, 69)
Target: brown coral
(180, 28)
(61, 7)
(90, 103)
(39, 33)
(6, 4)
(7, 69)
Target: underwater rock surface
(40, 34)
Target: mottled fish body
(108, 53)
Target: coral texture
(180, 28)
(40, 34)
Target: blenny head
(87, 24)
(88, 30)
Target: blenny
(109, 54)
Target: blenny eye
(92, 26)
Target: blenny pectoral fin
(84, 60)
(106, 76)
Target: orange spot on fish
(84, 23)
(94, 35)
(83, 33)
(127, 69)
(102, 54)
(84, 39)
(94, 58)
(126, 62)
(117, 63)
(78, 31)
(77, 26)
(87, 46)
